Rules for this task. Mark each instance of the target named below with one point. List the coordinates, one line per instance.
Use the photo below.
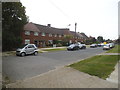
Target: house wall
(40, 39)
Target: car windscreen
(72, 45)
(107, 45)
(22, 46)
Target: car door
(30, 49)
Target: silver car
(27, 49)
(106, 47)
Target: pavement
(66, 77)
(109, 54)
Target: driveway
(17, 68)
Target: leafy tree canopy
(13, 20)
(100, 39)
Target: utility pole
(75, 31)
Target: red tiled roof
(46, 29)
(52, 30)
(31, 27)
(77, 34)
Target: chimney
(49, 25)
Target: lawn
(116, 49)
(55, 49)
(100, 65)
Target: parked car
(93, 46)
(99, 45)
(27, 49)
(76, 46)
(112, 45)
(106, 47)
(102, 44)
(82, 46)
(73, 47)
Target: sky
(93, 17)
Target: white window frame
(27, 32)
(50, 35)
(60, 35)
(27, 41)
(36, 33)
(55, 35)
(42, 34)
(65, 35)
(50, 41)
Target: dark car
(99, 45)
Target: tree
(66, 40)
(13, 20)
(100, 39)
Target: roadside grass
(116, 49)
(55, 49)
(8, 53)
(5, 81)
(100, 65)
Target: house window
(27, 32)
(36, 33)
(50, 35)
(50, 41)
(55, 35)
(43, 34)
(59, 35)
(65, 35)
(27, 41)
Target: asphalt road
(17, 68)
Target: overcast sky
(93, 17)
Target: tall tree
(100, 39)
(13, 20)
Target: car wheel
(84, 47)
(23, 54)
(35, 53)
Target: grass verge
(116, 49)
(100, 65)
(8, 53)
(55, 49)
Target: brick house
(46, 35)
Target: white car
(106, 47)
(111, 45)
(81, 46)
(27, 49)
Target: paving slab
(109, 54)
(63, 77)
